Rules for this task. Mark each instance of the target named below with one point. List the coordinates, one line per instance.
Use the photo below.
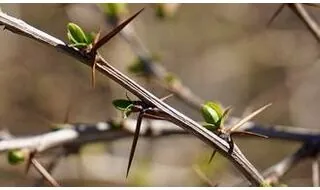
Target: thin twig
(44, 173)
(274, 16)
(39, 142)
(308, 20)
(52, 165)
(237, 158)
(315, 172)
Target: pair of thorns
(91, 50)
(152, 112)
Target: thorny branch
(237, 158)
(159, 72)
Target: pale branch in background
(31, 160)
(113, 130)
(83, 133)
(308, 150)
(39, 142)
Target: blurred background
(222, 52)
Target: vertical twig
(315, 172)
(55, 160)
(44, 173)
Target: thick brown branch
(174, 116)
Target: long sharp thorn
(298, 10)
(67, 114)
(29, 161)
(128, 96)
(97, 37)
(239, 133)
(249, 117)
(44, 173)
(166, 97)
(115, 31)
(135, 140)
(93, 74)
(278, 11)
(212, 155)
(226, 112)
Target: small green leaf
(136, 67)
(115, 124)
(16, 157)
(90, 37)
(212, 113)
(76, 34)
(166, 10)
(171, 78)
(122, 104)
(265, 184)
(160, 11)
(140, 64)
(71, 39)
